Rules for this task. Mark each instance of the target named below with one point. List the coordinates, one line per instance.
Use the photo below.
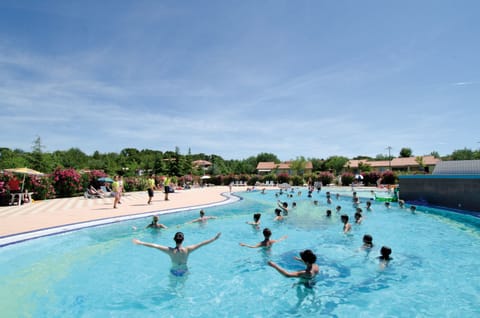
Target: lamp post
(389, 158)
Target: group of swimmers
(179, 254)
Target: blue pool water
(99, 272)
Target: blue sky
(237, 78)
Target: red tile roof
(395, 163)
(270, 165)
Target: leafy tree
(298, 166)
(463, 154)
(419, 160)
(435, 154)
(72, 158)
(381, 157)
(266, 157)
(317, 164)
(405, 153)
(12, 159)
(218, 165)
(364, 167)
(37, 160)
(336, 163)
(362, 158)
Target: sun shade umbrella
(25, 171)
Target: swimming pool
(98, 272)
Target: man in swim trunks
(178, 254)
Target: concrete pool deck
(40, 218)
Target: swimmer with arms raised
(310, 271)
(202, 218)
(267, 242)
(178, 254)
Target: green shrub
(297, 180)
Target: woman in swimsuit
(178, 254)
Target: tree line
(131, 161)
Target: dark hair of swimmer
(202, 213)
(308, 256)
(267, 233)
(344, 218)
(256, 217)
(278, 211)
(385, 251)
(178, 238)
(368, 240)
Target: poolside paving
(58, 212)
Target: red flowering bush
(41, 187)
(325, 177)
(371, 177)
(4, 178)
(135, 184)
(66, 182)
(347, 178)
(91, 178)
(388, 177)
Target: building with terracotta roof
(397, 164)
(278, 168)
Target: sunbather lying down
(93, 193)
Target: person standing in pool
(384, 257)
(310, 271)
(267, 242)
(202, 218)
(178, 254)
(283, 206)
(368, 206)
(155, 224)
(278, 215)
(346, 226)
(367, 242)
(256, 220)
